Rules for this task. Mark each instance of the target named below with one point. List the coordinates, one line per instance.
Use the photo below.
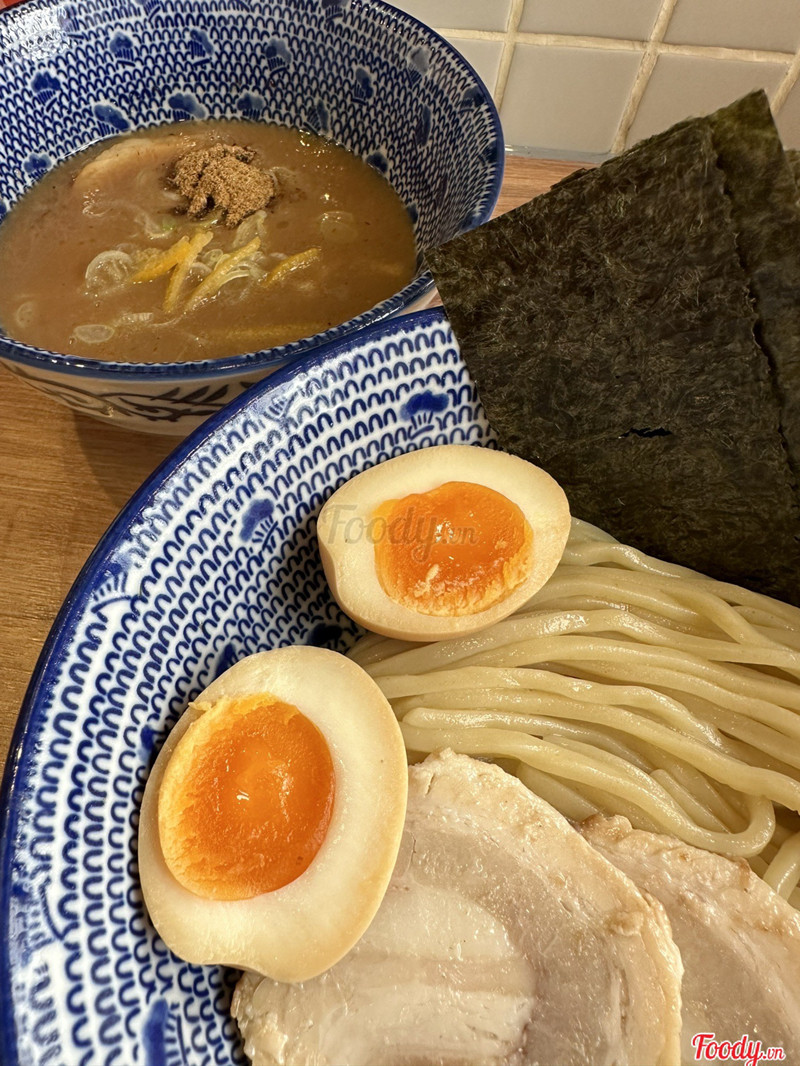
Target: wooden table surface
(64, 477)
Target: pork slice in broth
(127, 158)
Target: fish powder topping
(226, 177)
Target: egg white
(348, 555)
(300, 930)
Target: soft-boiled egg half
(442, 541)
(271, 820)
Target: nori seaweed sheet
(766, 218)
(793, 159)
(608, 325)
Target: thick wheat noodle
(656, 704)
(783, 869)
(644, 658)
(600, 770)
(538, 628)
(769, 746)
(627, 686)
(769, 851)
(534, 725)
(598, 592)
(626, 663)
(374, 648)
(748, 703)
(609, 803)
(783, 872)
(750, 779)
(581, 532)
(544, 754)
(749, 840)
(709, 808)
(687, 785)
(697, 811)
(758, 864)
(567, 800)
(786, 825)
(776, 629)
(578, 805)
(367, 643)
(759, 867)
(771, 618)
(701, 793)
(596, 553)
(614, 716)
(611, 554)
(473, 687)
(790, 638)
(750, 742)
(762, 619)
(704, 791)
(615, 659)
(599, 801)
(586, 605)
(636, 590)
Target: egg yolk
(456, 549)
(246, 799)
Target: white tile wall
(789, 115)
(772, 25)
(681, 86)
(556, 97)
(465, 14)
(621, 19)
(583, 78)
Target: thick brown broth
(71, 249)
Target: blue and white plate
(214, 558)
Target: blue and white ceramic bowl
(358, 71)
(214, 558)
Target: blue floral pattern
(216, 557)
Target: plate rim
(18, 753)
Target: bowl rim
(18, 352)
(58, 636)
(27, 355)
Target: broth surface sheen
(101, 260)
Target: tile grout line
(650, 49)
(787, 84)
(472, 35)
(646, 67)
(617, 44)
(723, 52)
(506, 56)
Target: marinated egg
(272, 817)
(442, 541)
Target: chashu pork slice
(739, 940)
(127, 158)
(503, 938)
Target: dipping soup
(200, 241)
